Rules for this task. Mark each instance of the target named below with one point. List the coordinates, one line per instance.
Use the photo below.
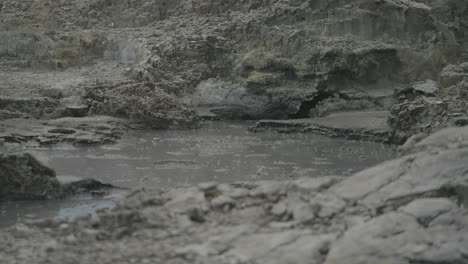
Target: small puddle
(223, 152)
(23, 211)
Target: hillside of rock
(158, 61)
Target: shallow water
(14, 212)
(216, 152)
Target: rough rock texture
(22, 176)
(370, 125)
(409, 210)
(76, 131)
(282, 58)
(428, 107)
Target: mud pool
(223, 152)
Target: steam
(218, 93)
(127, 50)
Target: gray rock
(350, 125)
(426, 210)
(427, 87)
(405, 179)
(23, 177)
(37, 107)
(451, 75)
(190, 199)
(78, 110)
(78, 131)
(399, 238)
(447, 138)
(222, 201)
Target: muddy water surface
(224, 152)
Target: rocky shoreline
(409, 210)
(84, 72)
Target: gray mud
(222, 152)
(218, 152)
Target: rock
(250, 60)
(23, 177)
(78, 110)
(156, 109)
(84, 186)
(308, 186)
(440, 140)
(222, 202)
(37, 107)
(461, 122)
(424, 115)
(192, 199)
(77, 131)
(61, 131)
(427, 87)
(451, 75)
(257, 245)
(329, 205)
(352, 125)
(286, 247)
(399, 238)
(392, 187)
(301, 211)
(430, 112)
(229, 101)
(279, 209)
(334, 105)
(426, 210)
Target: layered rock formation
(155, 61)
(434, 106)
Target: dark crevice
(306, 106)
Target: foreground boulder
(22, 176)
(409, 210)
